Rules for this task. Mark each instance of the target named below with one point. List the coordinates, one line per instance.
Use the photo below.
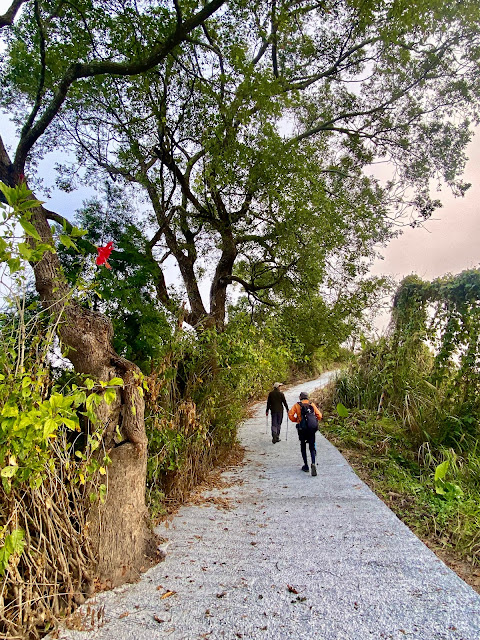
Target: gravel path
(295, 557)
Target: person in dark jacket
(275, 403)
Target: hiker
(275, 403)
(306, 415)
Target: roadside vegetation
(406, 415)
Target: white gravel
(297, 557)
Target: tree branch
(9, 16)
(78, 71)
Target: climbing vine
(445, 315)
(426, 371)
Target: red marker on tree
(104, 254)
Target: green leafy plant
(449, 490)
(13, 544)
(342, 410)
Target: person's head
(303, 395)
(277, 385)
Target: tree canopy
(249, 141)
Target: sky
(447, 243)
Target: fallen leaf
(221, 595)
(158, 619)
(291, 589)
(167, 594)
(124, 615)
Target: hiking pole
(286, 437)
(266, 424)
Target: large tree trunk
(218, 290)
(119, 527)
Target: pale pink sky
(448, 243)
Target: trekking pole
(286, 437)
(266, 424)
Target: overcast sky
(449, 242)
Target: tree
(55, 51)
(251, 142)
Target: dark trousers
(307, 436)
(276, 423)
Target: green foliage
(13, 544)
(444, 488)
(28, 422)
(251, 144)
(425, 377)
(342, 410)
(427, 371)
(33, 412)
(202, 387)
(126, 293)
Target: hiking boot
(277, 438)
(274, 439)
(305, 467)
(314, 470)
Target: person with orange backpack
(306, 415)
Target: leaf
(10, 411)
(77, 233)
(17, 540)
(14, 265)
(29, 229)
(441, 470)
(9, 472)
(70, 424)
(49, 427)
(342, 410)
(24, 250)
(115, 382)
(110, 396)
(67, 241)
(167, 594)
(291, 589)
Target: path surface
(296, 557)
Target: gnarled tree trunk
(119, 526)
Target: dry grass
(192, 492)
(57, 565)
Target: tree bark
(119, 527)
(218, 290)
